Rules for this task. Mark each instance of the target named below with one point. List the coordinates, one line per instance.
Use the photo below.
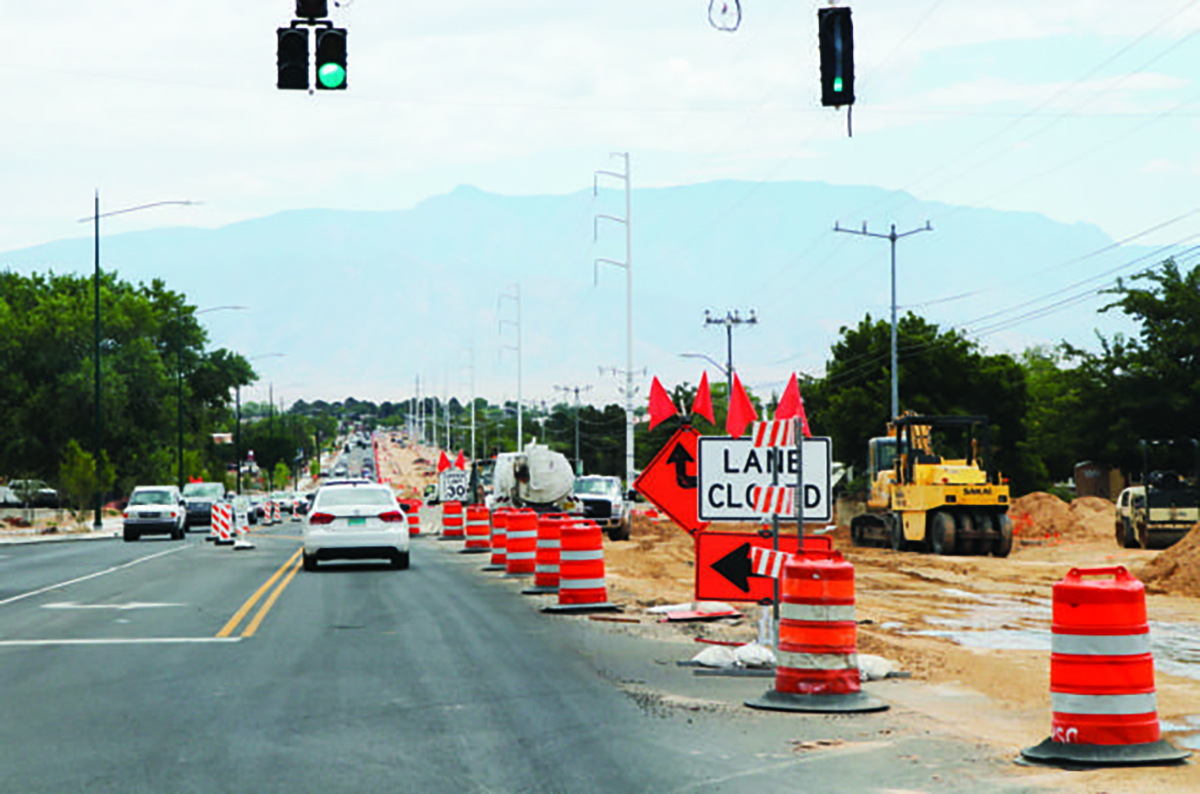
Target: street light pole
(892, 237)
(576, 390)
(97, 523)
(515, 296)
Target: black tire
(620, 531)
(400, 560)
(940, 532)
(130, 536)
(896, 525)
(1002, 546)
(1129, 539)
(310, 562)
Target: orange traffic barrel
(817, 660)
(499, 560)
(478, 531)
(545, 568)
(1102, 696)
(581, 583)
(452, 521)
(414, 516)
(521, 554)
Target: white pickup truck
(604, 503)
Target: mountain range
(363, 302)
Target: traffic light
(331, 59)
(837, 56)
(292, 58)
(312, 9)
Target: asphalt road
(140, 668)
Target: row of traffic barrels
(564, 554)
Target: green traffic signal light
(837, 85)
(331, 75)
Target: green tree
(941, 372)
(78, 478)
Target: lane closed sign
(729, 470)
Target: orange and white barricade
(1102, 695)
(452, 521)
(521, 555)
(413, 515)
(499, 561)
(242, 534)
(546, 554)
(478, 531)
(222, 521)
(581, 582)
(817, 659)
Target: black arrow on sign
(735, 566)
(681, 458)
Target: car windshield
(150, 498)
(204, 490)
(355, 497)
(601, 487)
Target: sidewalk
(111, 529)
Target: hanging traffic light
(331, 59)
(312, 9)
(292, 58)
(837, 56)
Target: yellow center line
(270, 602)
(250, 602)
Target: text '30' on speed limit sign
(730, 469)
(454, 485)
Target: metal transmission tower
(626, 177)
(731, 320)
(576, 390)
(892, 236)
(514, 295)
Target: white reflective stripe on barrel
(1100, 644)
(581, 556)
(548, 544)
(1066, 703)
(521, 555)
(545, 569)
(519, 534)
(581, 584)
(816, 612)
(817, 661)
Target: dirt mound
(1177, 569)
(1095, 516)
(1039, 514)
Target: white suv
(355, 520)
(155, 510)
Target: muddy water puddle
(993, 622)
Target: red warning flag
(791, 406)
(461, 461)
(661, 407)
(443, 462)
(741, 410)
(703, 404)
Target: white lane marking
(121, 641)
(130, 605)
(115, 568)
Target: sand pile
(1038, 514)
(1096, 518)
(1177, 569)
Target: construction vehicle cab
(1165, 506)
(920, 500)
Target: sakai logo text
(977, 491)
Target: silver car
(355, 520)
(155, 510)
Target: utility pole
(731, 320)
(577, 390)
(627, 221)
(471, 355)
(892, 237)
(514, 295)
(271, 435)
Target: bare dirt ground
(973, 631)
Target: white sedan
(355, 520)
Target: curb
(33, 540)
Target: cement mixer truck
(538, 478)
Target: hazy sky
(1084, 110)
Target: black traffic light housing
(292, 58)
(836, 32)
(331, 59)
(312, 9)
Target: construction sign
(725, 568)
(670, 480)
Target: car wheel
(130, 536)
(620, 531)
(177, 534)
(400, 560)
(940, 532)
(310, 562)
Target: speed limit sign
(454, 485)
